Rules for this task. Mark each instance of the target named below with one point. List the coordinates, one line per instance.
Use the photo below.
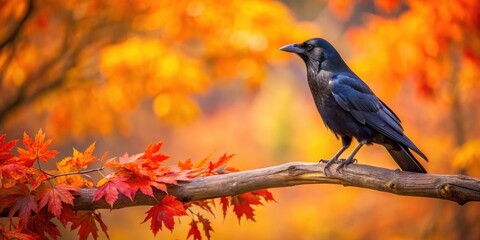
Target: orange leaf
(67, 166)
(202, 163)
(11, 173)
(36, 149)
(153, 153)
(187, 165)
(79, 159)
(163, 213)
(219, 165)
(35, 177)
(55, 196)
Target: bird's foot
(327, 164)
(345, 163)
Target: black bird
(350, 109)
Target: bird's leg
(350, 158)
(335, 157)
(346, 141)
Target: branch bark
(457, 188)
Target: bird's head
(318, 54)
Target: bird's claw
(323, 161)
(345, 163)
(327, 164)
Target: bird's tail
(406, 160)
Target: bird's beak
(292, 48)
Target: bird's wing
(355, 97)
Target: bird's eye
(309, 47)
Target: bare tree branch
(15, 31)
(457, 188)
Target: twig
(74, 173)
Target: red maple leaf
(55, 197)
(169, 175)
(204, 204)
(103, 226)
(144, 184)
(242, 205)
(149, 163)
(19, 200)
(41, 223)
(224, 201)
(37, 149)
(194, 231)
(86, 220)
(144, 171)
(114, 185)
(267, 195)
(163, 213)
(143, 164)
(206, 225)
(153, 154)
(67, 215)
(6, 149)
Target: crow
(350, 109)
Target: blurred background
(206, 77)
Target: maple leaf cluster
(36, 196)
(242, 204)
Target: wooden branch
(457, 188)
(16, 30)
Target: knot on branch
(391, 185)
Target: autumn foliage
(33, 197)
(168, 51)
(207, 76)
